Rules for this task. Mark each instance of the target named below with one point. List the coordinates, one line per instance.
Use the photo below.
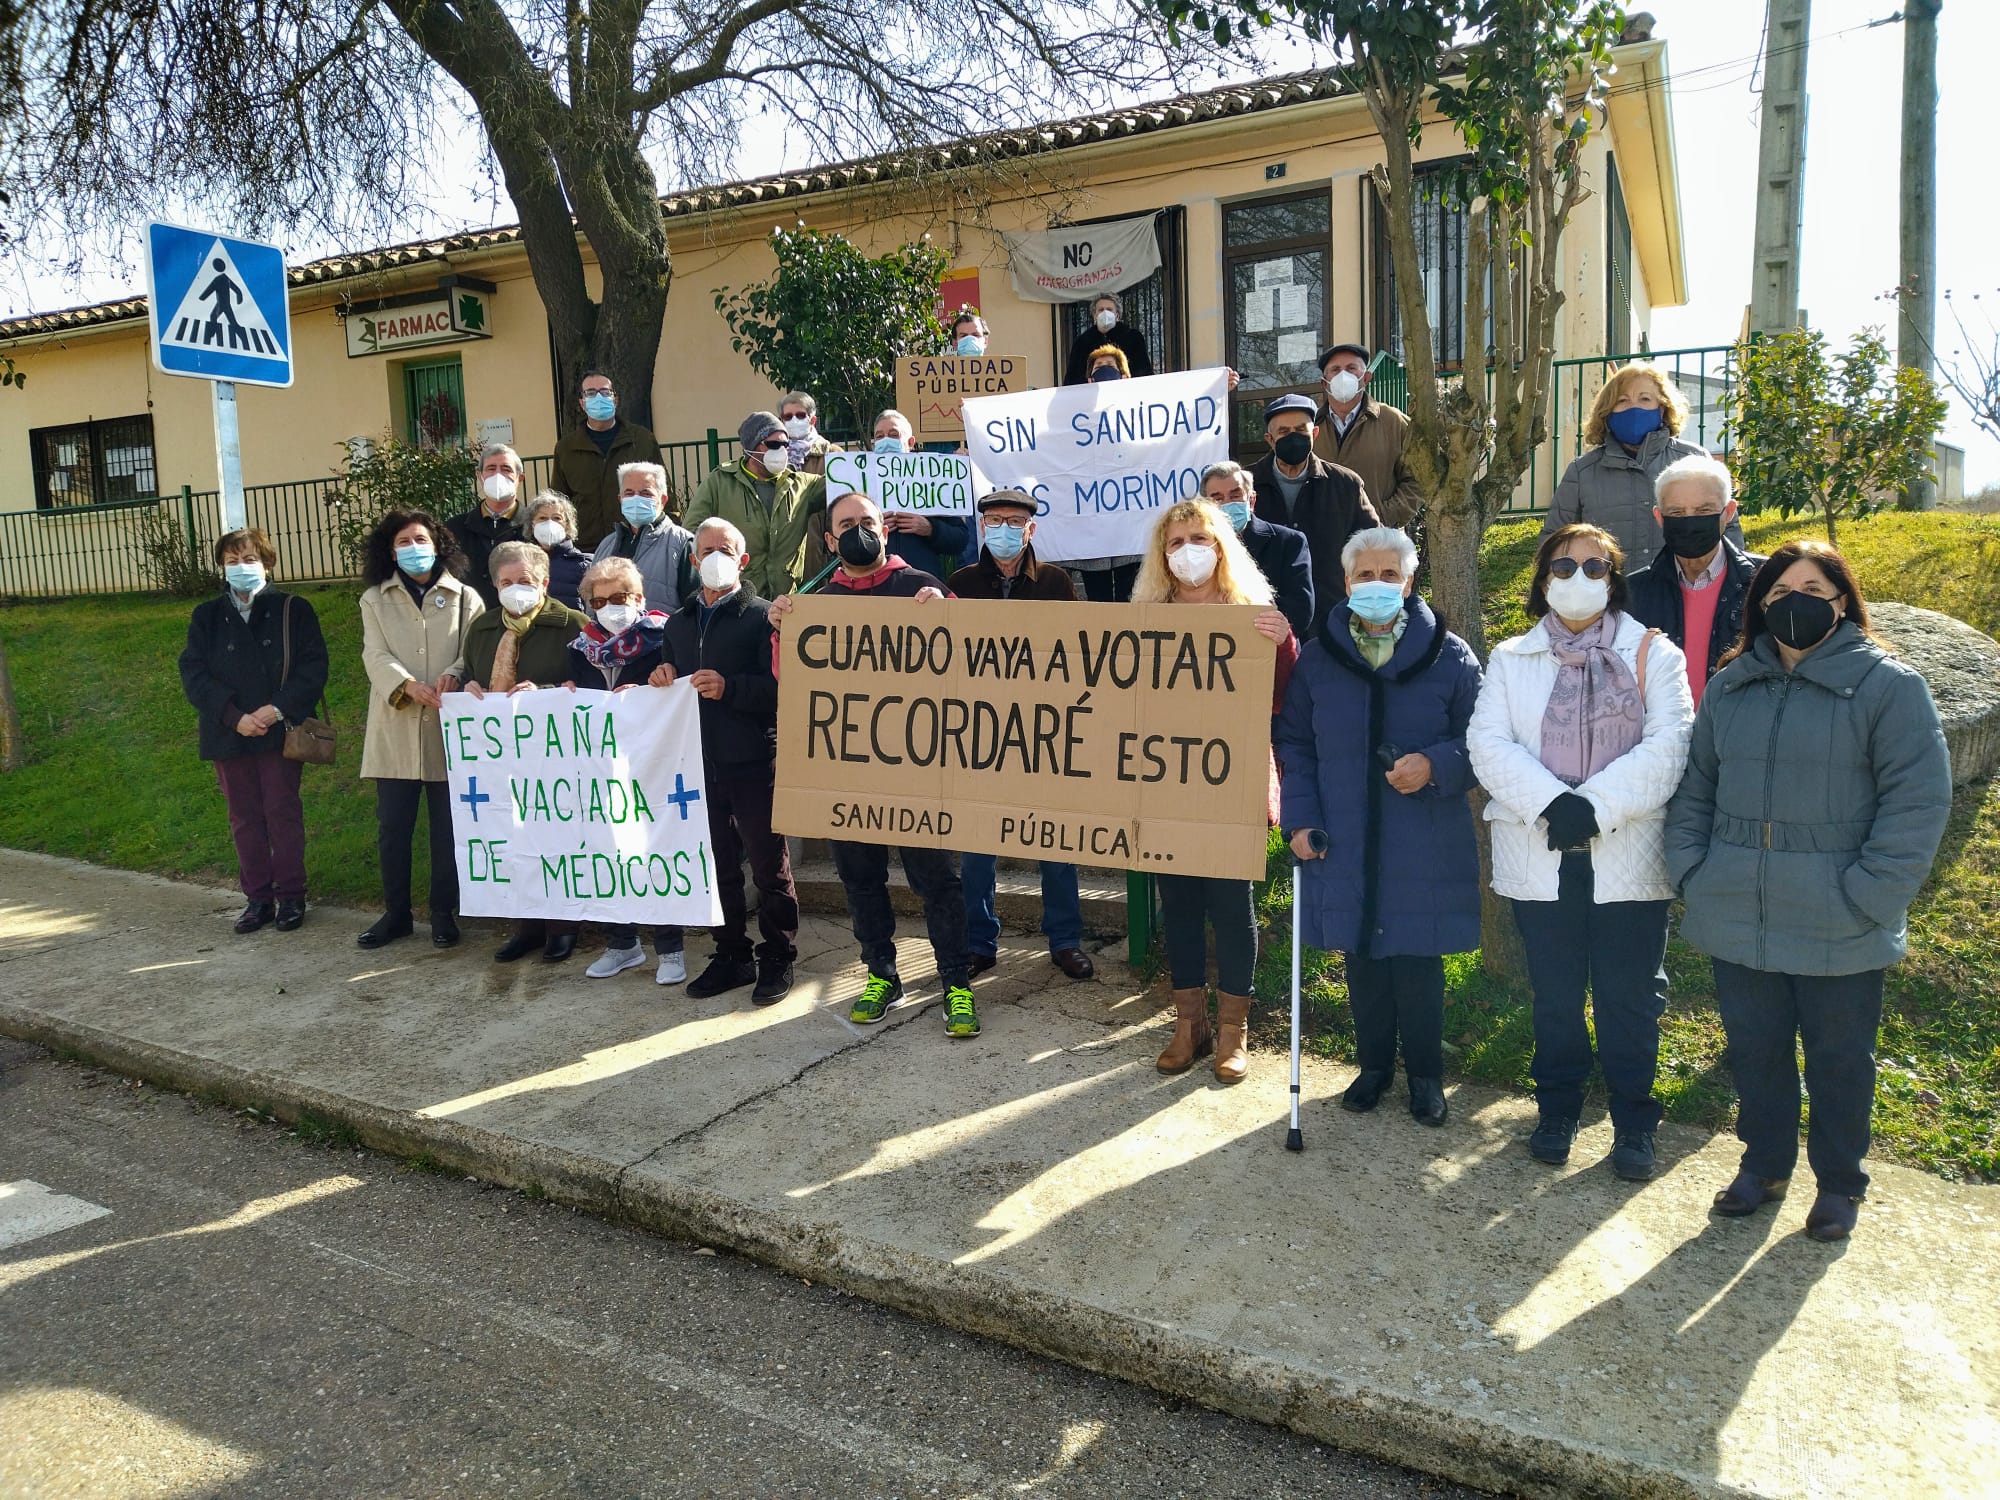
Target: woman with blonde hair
(1194, 556)
(1632, 433)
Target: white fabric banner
(581, 806)
(1100, 459)
(925, 484)
(1069, 265)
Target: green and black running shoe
(960, 1019)
(877, 995)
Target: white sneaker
(673, 968)
(616, 961)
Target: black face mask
(1799, 620)
(1692, 536)
(1106, 372)
(1293, 448)
(860, 547)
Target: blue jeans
(1062, 909)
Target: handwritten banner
(1100, 459)
(581, 806)
(928, 484)
(1104, 734)
(930, 387)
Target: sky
(1849, 260)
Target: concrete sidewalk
(1436, 1298)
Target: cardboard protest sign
(581, 806)
(1104, 734)
(928, 484)
(929, 388)
(1102, 458)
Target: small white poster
(1275, 272)
(1291, 307)
(1297, 348)
(1257, 311)
(494, 430)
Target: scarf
(1377, 649)
(602, 650)
(1593, 715)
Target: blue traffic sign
(217, 306)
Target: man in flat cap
(1360, 433)
(771, 503)
(1297, 488)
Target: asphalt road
(261, 1314)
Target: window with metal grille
(1157, 306)
(1276, 256)
(94, 463)
(434, 403)
(1617, 265)
(1438, 215)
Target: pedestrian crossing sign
(217, 306)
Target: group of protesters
(1683, 719)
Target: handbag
(311, 739)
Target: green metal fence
(106, 549)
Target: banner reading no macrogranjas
(581, 806)
(1100, 459)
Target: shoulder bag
(311, 739)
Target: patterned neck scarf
(1593, 715)
(602, 650)
(1377, 649)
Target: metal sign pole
(228, 455)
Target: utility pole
(1916, 294)
(1781, 168)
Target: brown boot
(1192, 1037)
(1232, 1022)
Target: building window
(1438, 215)
(1156, 307)
(1276, 254)
(434, 403)
(94, 463)
(1617, 266)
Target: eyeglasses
(599, 390)
(1593, 567)
(624, 596)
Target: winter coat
(1655, 598)
(1076, 370)
(937, 554)
(1373, 448)
(664, 555)
(1811, 809)
(230, 668)
(1613, 488)
(567, 564)
(895, 579)
(775, 536)
(400, 643)
(1032, 580)
(739, 730)
(1331, 508)
(1281, 555)
(1629, 795)
(479, 531)
(589, 475)
(1401, 872)
(544, 652)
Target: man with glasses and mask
(1695, 586)
(1279, 551)
(1365, 435)
(1295, 487)
(587, 458)
(765, 498)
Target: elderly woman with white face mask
(551, 522)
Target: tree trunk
(13, 746)
(1500, 950)
(1453, 534)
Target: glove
(1572, 821)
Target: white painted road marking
(28, 1211)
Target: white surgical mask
(1343, 385)
(548, 533)
(1107, 320)
(777, 460)
(1577, 597)
(520, 598)
(617, 618)
(797, 427)
(720, 571)
(1193, 563)
(497, 486)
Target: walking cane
(1294, 1139)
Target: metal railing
(108, 549)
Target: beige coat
(399, 645)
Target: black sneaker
(721, 976)
(1551, 1141)
(1632, 1155)
(387, 929)
(774, 981)
(1366, 1091)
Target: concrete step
(1017, 896)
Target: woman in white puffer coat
(1580, 736)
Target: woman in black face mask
(1816, 791)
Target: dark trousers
(626, 935)
(1111, 586)
(933, 873)
(396, 828)
(1836, 1016)
(1401, 996)
(1616, 951)
(267, 824)
(739, 824)
(1189, 904)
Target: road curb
(1318, 1403)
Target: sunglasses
(624, 597)
(1593, 567)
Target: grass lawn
(113, 778)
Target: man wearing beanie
(767, 500)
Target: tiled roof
(1084, 130)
